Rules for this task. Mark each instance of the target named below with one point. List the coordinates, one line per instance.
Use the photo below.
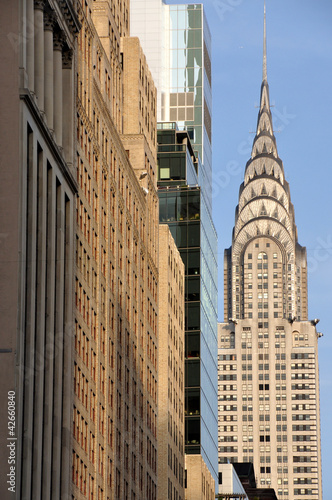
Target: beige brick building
(80, 293)
(170, 370)
(198, 481)
(114, 418)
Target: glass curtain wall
(190, 96)
(185, 211)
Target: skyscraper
(38, 190)
(267, 348)
(177, 42)
(189, 98)
(80, 329)
(183, 208)
(114, 411)
(183, 79)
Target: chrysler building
(268, 397)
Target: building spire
(264, 47)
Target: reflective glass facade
(177, 43)
(190, 96)
(183, 207)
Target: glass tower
(177, 43)
(189, 100)
(183, 207)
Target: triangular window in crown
(253, 194)
(263, 192)
(264, 150)
(276, 214)
(263, 211)
(277, 235)
(274, 192)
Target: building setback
(114, 416)
(189, 101)
(267, 349)
(80, 291)
(177, 43)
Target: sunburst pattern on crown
(265, 211)
(265, 206)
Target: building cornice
(70, 16)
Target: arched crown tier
(265, 222)
(264, 164)
(261, 186)
(266, 208)
(262, 227)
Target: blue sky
(299, 60)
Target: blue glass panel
(174, 19)
(182, 19)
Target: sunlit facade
(115, 333)
(189, 100)
(170, 432)
(268, 374)
(177, 43)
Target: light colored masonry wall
(268, 400)
(268, 403)
(170, 370)
(199, 481)
(114, 416)
(140, 94)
